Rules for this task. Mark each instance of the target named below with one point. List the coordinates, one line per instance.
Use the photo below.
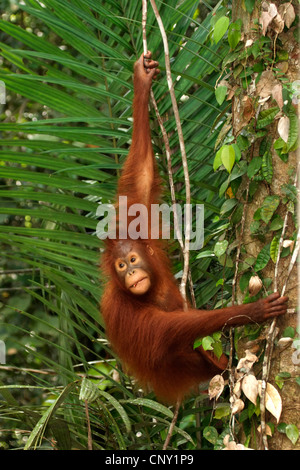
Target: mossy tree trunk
(279, 68)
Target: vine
(259, 122)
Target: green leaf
(88, 391)
(234, 34)
(290, 192)
(223, 188)
(217, 335)
(152, 405)
(228, 205)
(268, 207)
(205, 254)
(281, 378)
(279, 144)
(217, 348)
(293, 131)
(222, 411)
(237, 151)
(197, 343)
(264, 146)
(244, 281)
(221, 93)
(47, 95)
(220, 247)
(249, 4)
(292, 433)
(266, 117)
(289, 332)
(284, 375)
(8, 396)
(281, 427)
(118, 407)
(262, 258)
(228, 157)
(255, 227)
(274, 249)
(267, 166)
(39, 430)
(220, 28)
(254, 166)
(276, 223)
(210, 434)
(242, 142)
(207, 342)
(217, 160)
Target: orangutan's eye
(120, 265)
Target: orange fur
(152, 334)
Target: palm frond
(69, 90)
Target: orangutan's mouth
(138, 282)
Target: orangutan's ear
(150, 250)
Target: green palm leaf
(61, 154)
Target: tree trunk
(283, 360)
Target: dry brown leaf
(116, 376)
(248, 110)
(250, 388)
(232, 445)
(237, 406)
(216, 386)
(284, 343)
(268, 430)
(242, 447)
(231, 92)
(266, 84)
(283, 66)
(250, 356)
(277, 94)
(245, 364)
(289, 244)
(287, 12)
(255, 284)
(265, 19)
(253, 345)
(273, 400)
(243, 110)
(267, 16)
(278, 24)
(284, 127)
(237, 389)
(272, 10)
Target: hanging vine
(258, 120)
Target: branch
(282, 237)
(182, 149)
(184, 247)
(172, 425)
(237, 260)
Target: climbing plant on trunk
(256, 147)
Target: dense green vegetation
(65, 131)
